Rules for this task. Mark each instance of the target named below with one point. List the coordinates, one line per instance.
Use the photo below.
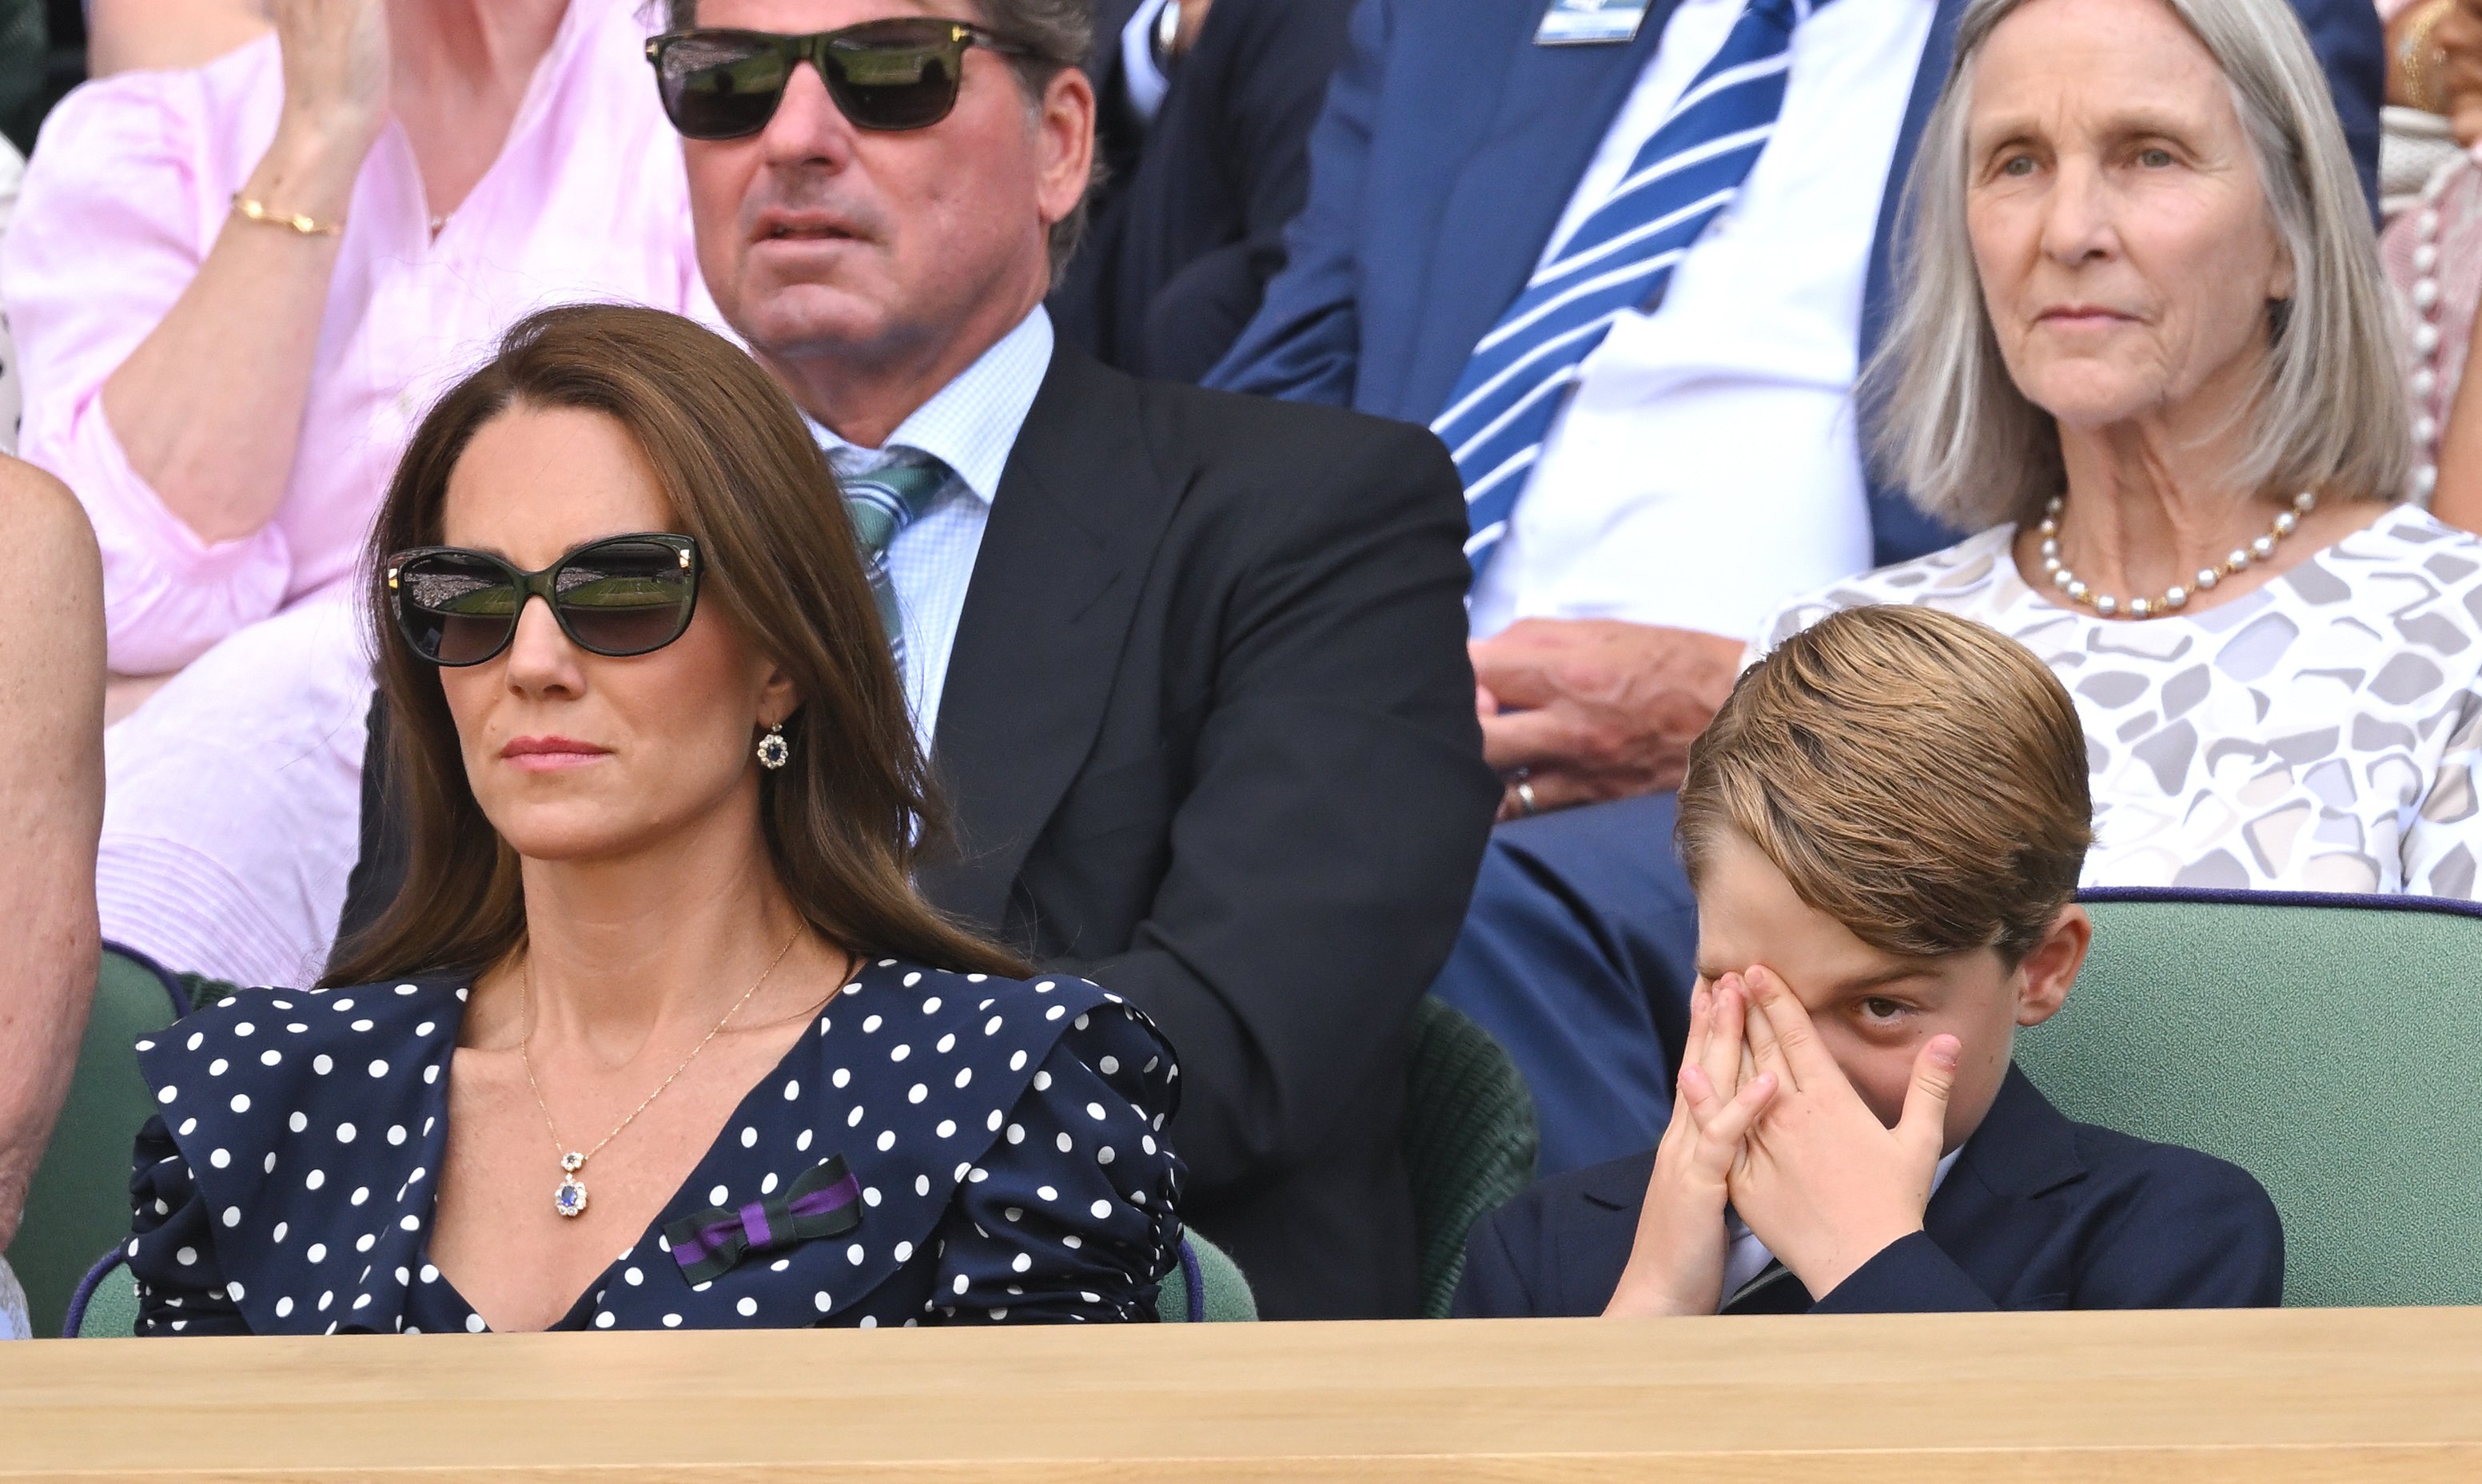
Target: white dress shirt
(970, 424)
(1707, 467)
(1747, 1257)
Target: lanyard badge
(1589, 22)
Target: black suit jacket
(1189, 222)
(1209, 738)
(2037, 1212)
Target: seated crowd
(1805, 487)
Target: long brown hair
(744, 480)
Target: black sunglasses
(626, 595)
(884, 75)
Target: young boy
(1885, 826)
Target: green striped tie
(885, 492)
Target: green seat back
(1213, 1279)
(78, 1206)
(1470, 1140)
(111, 1309)
(2330, 1046)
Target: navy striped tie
(1621, 256)
(884, 493)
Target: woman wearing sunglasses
(657, 985)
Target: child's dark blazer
(2037, 1212)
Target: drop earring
(774, 751)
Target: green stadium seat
(1470, 1140)
(1207, 1287)
(105, 1304)
(2329, 1045)
(78, 1204)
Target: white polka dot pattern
(1091, 1229)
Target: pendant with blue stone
(570, 1200)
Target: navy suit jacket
(2037, 1212)
(1451, 143)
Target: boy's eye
(1879, 1010)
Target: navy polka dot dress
(1004, 1140)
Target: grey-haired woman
(2146, 346)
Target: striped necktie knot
(1620, 257)
(885, 492)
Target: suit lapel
(1080, 504)
(2024, 1148)
(1593, 1246)
(1555, 105)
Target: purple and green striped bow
(822, 1201)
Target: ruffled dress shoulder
(942, 1148)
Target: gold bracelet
(2421, 60)
(243, 206)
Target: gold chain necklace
(569, 1199)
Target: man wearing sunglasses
(1190, 666)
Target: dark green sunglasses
(884, 75)
(621, 596)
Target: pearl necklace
(2172, 599)
(2426, 337)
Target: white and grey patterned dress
(2318, 733)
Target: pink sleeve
(111, 229)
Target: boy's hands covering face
(1820, 1180)
(1677, 1265)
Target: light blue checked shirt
(970, 424)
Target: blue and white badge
(1589, 22)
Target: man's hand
(1823, 1183)
(1677, 1264)
(1594, 709)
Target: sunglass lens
(625, 597)
(721, 86)
(894, 82)
(455, 609)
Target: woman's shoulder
(283, 1019)
(1017, 1020)
(883, 984)
(2408, 573)
(243, 87)
(1973, 576)
(260, 1055)
(2406, 541)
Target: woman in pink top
(235, 289)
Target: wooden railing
(2326, 1396)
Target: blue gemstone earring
(774, 751)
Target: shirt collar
(971, 423)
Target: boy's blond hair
(1917, 776)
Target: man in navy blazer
(2037, 1212)
(1704, 468)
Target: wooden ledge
(2256, 1397)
